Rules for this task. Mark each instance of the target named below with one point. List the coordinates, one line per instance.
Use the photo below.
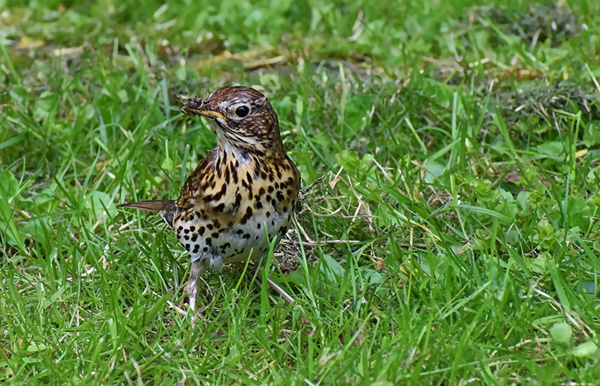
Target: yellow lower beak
(195, 108)
(212, 114)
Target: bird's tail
(168, 209)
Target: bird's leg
(281, 291)
(196, 271)
(277, 288)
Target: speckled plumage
(245, 189)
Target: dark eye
(242, 111)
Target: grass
(451, 235)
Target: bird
(241, 196)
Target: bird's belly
(218, 246)
(255, 236)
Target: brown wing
(168, 209)
(196, 182)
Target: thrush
(242, 195)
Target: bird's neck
(272, 151)
(226, 152)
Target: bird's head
(242, 118)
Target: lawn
(450, 157)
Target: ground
(449, 231)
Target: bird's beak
(198, 107)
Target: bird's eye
(242, 111)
